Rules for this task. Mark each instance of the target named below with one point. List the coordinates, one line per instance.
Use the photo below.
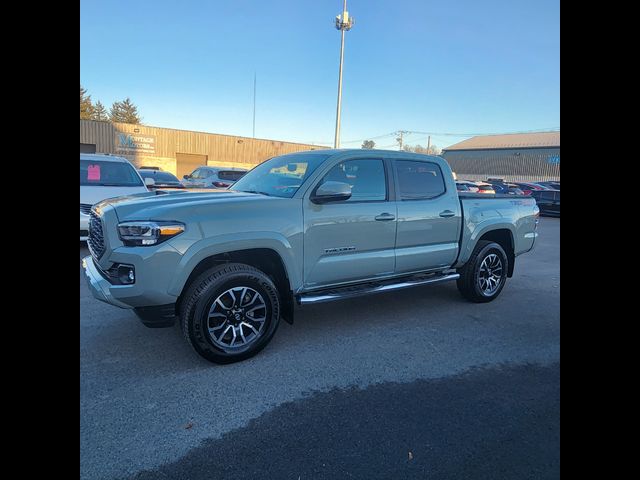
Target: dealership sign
(135, 143)
(554, 160)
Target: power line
(443, 134)
(547, 130)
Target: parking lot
(412, 384)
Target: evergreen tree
(99, 112)
(86, 107)
(124, 112)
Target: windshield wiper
(256, 191)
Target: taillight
(221, 184)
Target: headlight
(135, 234)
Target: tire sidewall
(487, 250)
(197, 324)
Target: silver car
(105, 176)
(213, 177)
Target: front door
(351, 240)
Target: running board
(372, 287)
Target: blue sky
(461, 66)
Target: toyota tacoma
(301, 228)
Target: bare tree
(433, 150)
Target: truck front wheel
(230, 312)
(483, 277)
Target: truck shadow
(113, 341)
(123, 342)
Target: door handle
(385, 217)
(447, 213)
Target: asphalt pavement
(411, 384)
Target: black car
(162, 179)
(548, 201)
(550, 185)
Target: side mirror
(149, 182)
(186, 177)
(331, 192)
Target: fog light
(126, 274)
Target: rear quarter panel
(482, 215)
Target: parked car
(303, 228)
(162, 179)
(550, 185)
(484, 187)
(548, 201)
(471, 186)
(505, 188)
(105, 176)
(527, 187)
(213, 177)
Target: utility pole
(429, 145)
(254, 104)
(343, 23)
(399, 139)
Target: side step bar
(369, 288)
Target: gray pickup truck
(300, 228)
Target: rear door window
(232, 175)
(546, 196)
(419, 180)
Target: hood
(172, 205)
(92, 194)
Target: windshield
(159, 177)
(280, 176)
(108, 174)
(201, 173)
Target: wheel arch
(266, 260)
(504, 238)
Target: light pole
(343, 22)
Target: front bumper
(99, 286)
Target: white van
(105, 176)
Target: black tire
(206, 289)
(469, 283)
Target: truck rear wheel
(483, 277)
(230, 312)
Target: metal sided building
(524, 157)
(179, 151)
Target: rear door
(556, 202)
(350, 240)
(429, 217)
(545, 201)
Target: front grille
(96, 237)
(85, 208)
